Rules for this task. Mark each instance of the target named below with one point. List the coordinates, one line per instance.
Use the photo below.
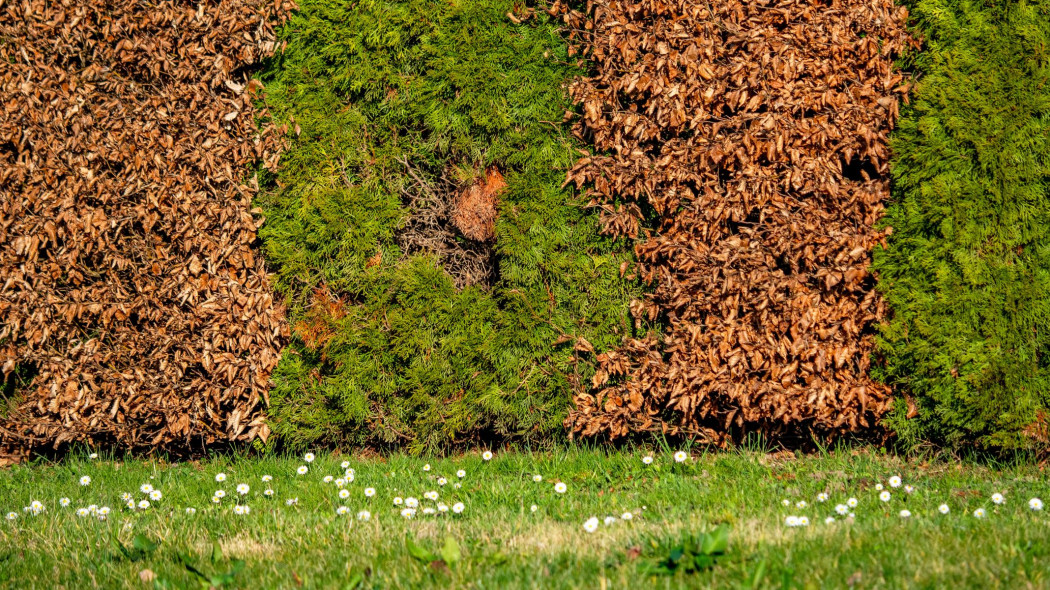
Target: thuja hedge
(383, 98)
(967, 271)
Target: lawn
(499, 541)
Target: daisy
(426, 467)
(979, 513)
(220, 477)
(803, 521)
(345, 464)
(829, 520)
(130, 504)
(344, 494)
(63, 502)
(215, 499)
(155, 495)
(610, 520)
(408, 512)
(398, 501)
(342, 510)
(785, 502)
(11, 515)
(431, 495)
(86, 480)
(268, 492)
(125, 496)
(537, 478)
(648, 459)
(302, 470)
(369, 492)
(884, 496)
(93, 456)
(801, 504)
(364, 515)
(428, 510)
(146, 488)
(327, 479)
(309, 457)
(905, 514)
(103, 512)
(908, 489)
(458, 507)
(461, 474)
(191, 511)
(626, 516)
(340, 482)
(93, 508)
(842, 509)
(457, 485)
(791, 521)
(852, 502)
(267, 478)
(878, 487)
(143, 504)
(241, 509)
(680, 456)
(411, 502)
(1035, 504)
(822, 497)
(442, 481)
(442, 508)
(291, 502)
(943, 509)
(533, 508)
(220, 493)
(560, 487)
(895, 481)
(36, 507)
(591, 524)
(998, 498)
(82, 512)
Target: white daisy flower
(350, 473)
(268, 492)
(398, 501)
(610, 520)
(426, 467)
(93, 456)
(533, 508)
(85, 480)
(345, 464)
(215, 499)
(560, 487)
(537, 478)
(340, 482)
(591, 524)
(241, 509)
(1035, 504)
(895, 481)
(801, 504)
(63, 502)
(220, 477)
(431, 495)
(878, 487)
(145, 488)
(803, 521)
(943, 509)
(83, 512)
(103, 512)
(884, 496)
(461, 474)
(369, 492)
(327, 479)
(487, 455)
(979, 513)
(342, 510)
(267, 478)
(155, 495)
(852, 502)
(829, 520)
(130, 504)
(411, 502)
(909, 489)
(11, 515)
(785, 502)
(791, 521)
(442, 481)
(648, 459)
(905, 514)
(302, 470)
(220, 493)
(291, 502)
(125, 496)
(93, 508)
(408, 512)
(428, 510)
(191, 511)
(143, 504)
(458, 507)
(344, 494)
(998, 498)
(842, 509)
(309, 457)
(442, 508)
(822, 497)
(364, 515)
(680, 456)
(457, 485)
(36, 507)
(626, 516)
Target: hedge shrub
(967, 271)
(384, 98)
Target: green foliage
(406, 358)
(967, 271)
(690, 555)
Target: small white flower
(11, 515)
(93, 456)
(431, 495)
(908, 489)
(1035, 504)
(822, 497)
(364, 515)
(537, 478)
(291, 502)
(302, 470)
(842, 509)
(408, 512)
(905, 513)
(342, 510)
(267, 478)
(457, 485)
(93, 508)
(398, 501)
(803, 521)
(86, 480)
(626, 516)
(442, 481)
(943, 509)
(340, 482)
(83, 512)
(143, 504)
(979, 513)
(103, 512)
(785, 502)
(268, 492)
(63, 502)
(680, 456)
(895, 481)
(328, 479)
(428, 510)
(35, 507)
(215, 499)
(130, 504)
(591, 524)
(648, 459)
(560, 487)
(461, 474)
(791, 521)
(344, 494)
(220, 477)
(191, 511)
(411, 502)
(369, 492)
(309, 457)
(852, 502)
(487, 455)
(458, 507)
(345, 464)
(426, 467)
(829, 520)
(145, 488)
(801, 504)
(998, 498)
(155, 495)
(610, 520)
(241, 509)
(125, 496)
(220, 493)
(533, 508)
(878, 487)
(884, 496)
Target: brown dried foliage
(129, 275)
(756, 134)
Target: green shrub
(967, 271)
(384, 98)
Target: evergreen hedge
(386, 349)
(967, 271)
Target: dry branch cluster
(745, 142)
(131, 289)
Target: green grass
(504, 545)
